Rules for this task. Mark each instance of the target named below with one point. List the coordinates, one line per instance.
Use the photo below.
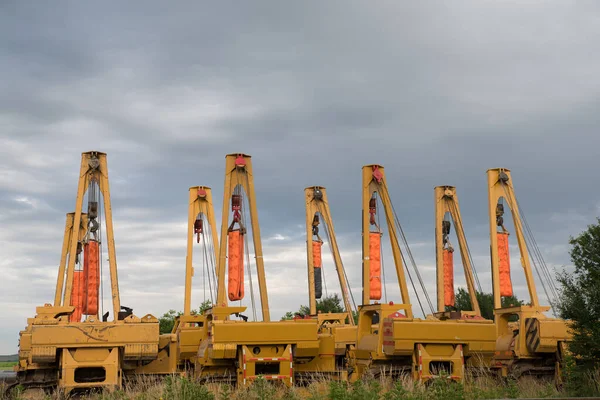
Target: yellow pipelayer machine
(447, 213)
(188, 327)
(238, 351)
(390, 340)
(58, 348)
(337, 331)
(536, 345)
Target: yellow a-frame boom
(94, 171)
(238, 172)
(374, 182)
(446, 201)
(95, 353)
(317, 205)
(200, 204)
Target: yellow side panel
(307, 349)
(345, 334)
(224, 350)
(94, 334)
(264, 332)
(139, 351)
(43, 354)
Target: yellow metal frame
(320, 206)
(500, 186)
(241, 174)
(93, 168)
(200, 203)
(370, 186)
(446, 201)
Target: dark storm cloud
(437, 93)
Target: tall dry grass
(476, 386)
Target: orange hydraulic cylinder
(77, 296)
(317, 261)
(449, 298)
(235, 274)
(375, 265)
(506, 288)
(91, 270)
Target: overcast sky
(437, 93)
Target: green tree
(287, 316)
(167, 321)
(327, 304)
(485, 300)
(580, 297)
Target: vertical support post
(493, 198)
(308, 197)
(189, 269)
(366, 226)
(438, 193)
(112, 256)
(63, 259)
(225, 211)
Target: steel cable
(410, 255)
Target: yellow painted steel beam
(200, 203)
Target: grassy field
(177, 388)
(7, 365)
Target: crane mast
(500, 187)
(317, 206)
(94, 174)
(200, 205)
(446, 201)
(238, 174)
(374, 183)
